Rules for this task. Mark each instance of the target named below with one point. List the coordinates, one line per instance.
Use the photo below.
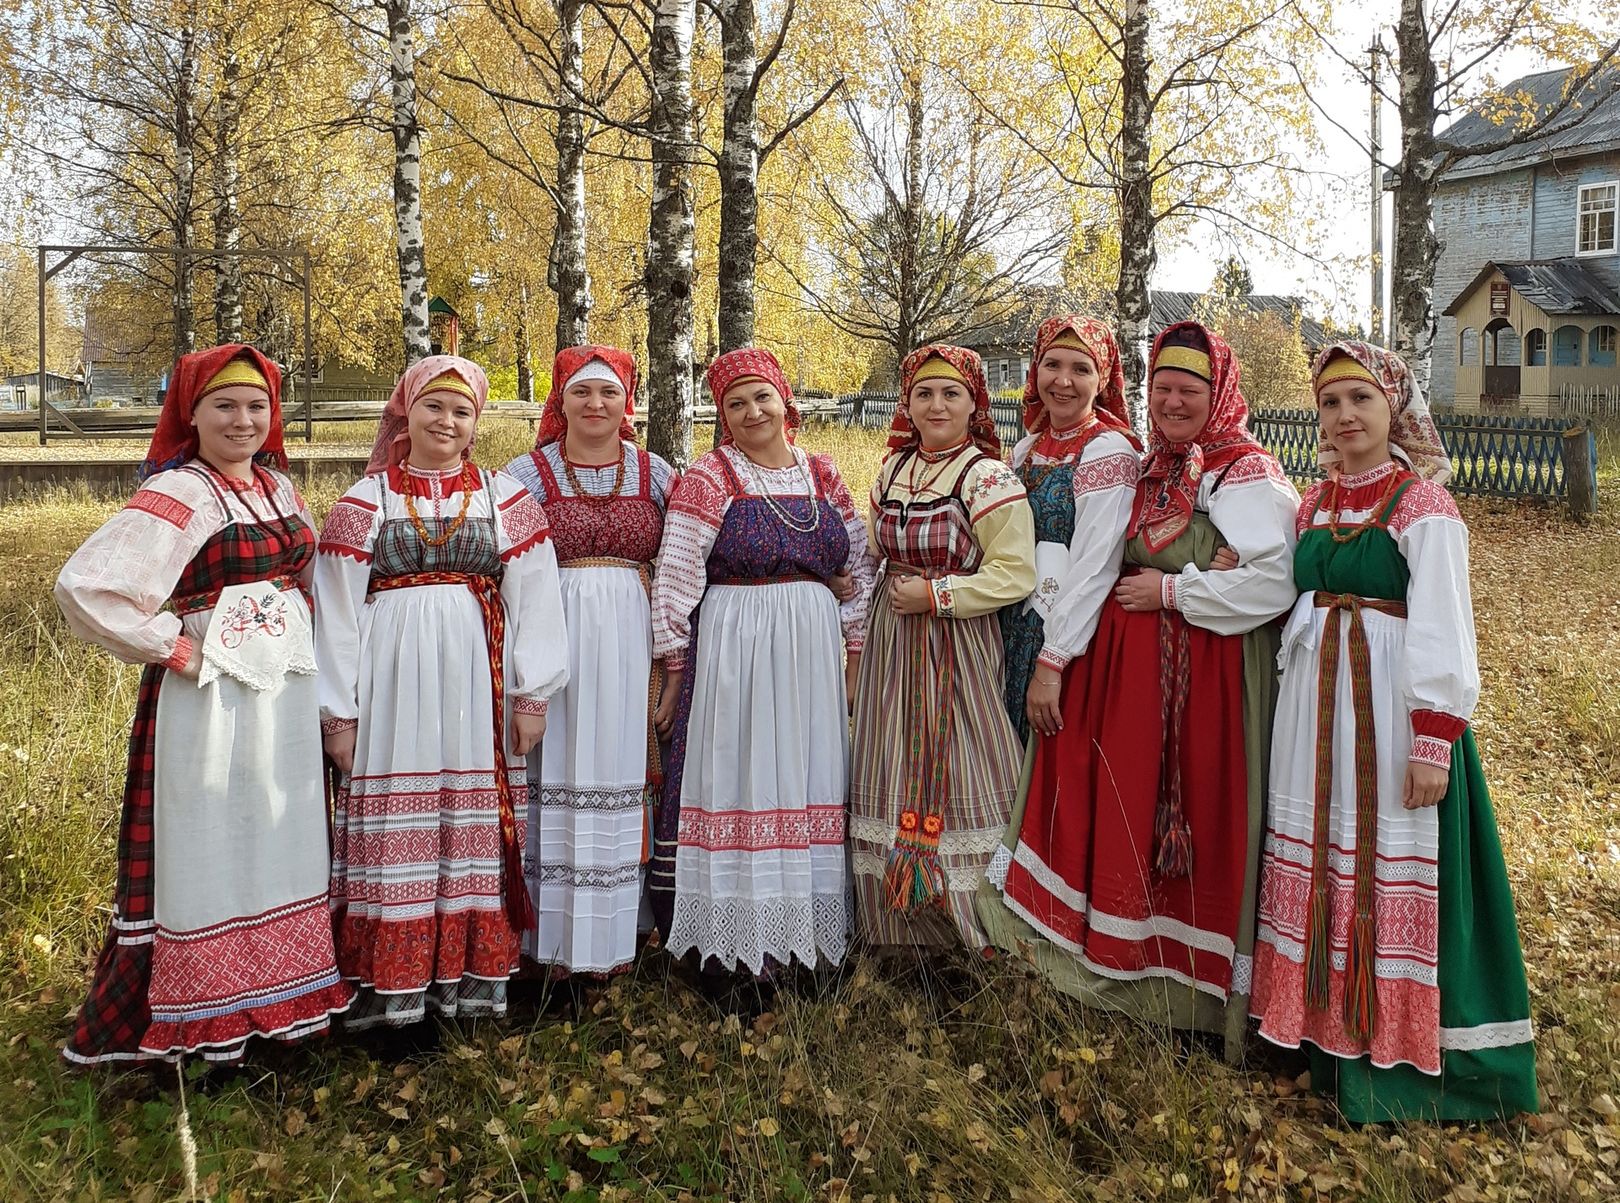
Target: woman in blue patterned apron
(749, 858)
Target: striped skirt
(982, 757)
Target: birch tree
(227, 184)
(410, 244)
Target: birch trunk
(669, 235)
(227, 197)
(1136, 251)
(569, 277)
(521, 349)
(185, 181)
(739, 175)
(411, 251)
(908, 331)
(1416, 249)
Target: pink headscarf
(393, 440)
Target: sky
(1340, 288)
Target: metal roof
(1591, 125)
(1554, 286)
(1018, 331)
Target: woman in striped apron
(219, 930)
(440, 641)
(936, 758)
(749, 862)
(591, 777)
(1386, 928)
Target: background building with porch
(1529, 268)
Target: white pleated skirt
(761, 870)
(587, 780)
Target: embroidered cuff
(1447, 728)
(854, 645)
(331, 726)
(675, 662)
(530, 706)
(1167, 590)
(943, 597)
(1053, 658)
(1428, 750)
(181, 655)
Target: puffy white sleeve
(664, 479)
(1255, 509)
(860, 564)
(531, 591)
(691, 525)
(113, 588)
(342, 572)
(1441, 682)
(1104, 491)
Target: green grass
(969, 1081)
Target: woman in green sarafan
(1386, 935)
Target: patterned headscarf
(981, 426)
(553, 422)
(750, 363)
(1097, 342)
(1168, 487)
(393, 439)
(1410, 427)
(174, 442)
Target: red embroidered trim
(530, 706)
(1422, 499)
(331, 726)
(1307, 507)
(1253, 467)
(422, 487)
(348, 529)
(1053, 658)
(701, 494)
(1118, 470)
(1167, 590)
(178, 659)
(517, 549)
(524, 522)
(160, 505)
(1428, 750)
(675, 662)
(1438, 725)
(941, 595)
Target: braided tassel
(913, 876)
(1318, 955)
(1175, 849)
(1360, 996)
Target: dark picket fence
(1520, 458)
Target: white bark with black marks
(568, 274)
(409, 241)
(227, 194)
(185, 177)
(521, 350)
(670, 234)
(1137, 254)
(1416, 249)
(739, 174)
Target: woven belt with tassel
(1360, 997)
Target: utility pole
(1376, 325)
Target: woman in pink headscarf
(440, 640)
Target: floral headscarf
(1168, 487)
(174, 442)
(553, 422)
(981, 426)
(750, 363)
(1411, 428)
(1096, 341)
(393, 439)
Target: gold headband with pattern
(1342, 367)
(449, 383)
(237, 371)
(1185, 359)
(937, 367)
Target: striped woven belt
(893, 568)
(787, 578)
(1360, 996)
(193, 602)
(601, 562)
(487, 590)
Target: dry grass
(962, 1082)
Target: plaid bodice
(279, 545)
(620, 528)
(756, 543)
(475, 548)
(935, 535)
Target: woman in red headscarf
(936, 759)
(1078, 462)
(441, 639)
(748, 866)
(219, 929)
(1138, 853)
(589, 780)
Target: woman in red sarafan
(441, 639)
(219, 930)
(1139, 848)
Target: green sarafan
(963, 1081)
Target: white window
(1595, 218)
(1006, 372)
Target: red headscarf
(393, 440)
(1168, 486)
(174, 442)
(1096, 341)
(553, 422)
(981, 426)
(750, 363)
